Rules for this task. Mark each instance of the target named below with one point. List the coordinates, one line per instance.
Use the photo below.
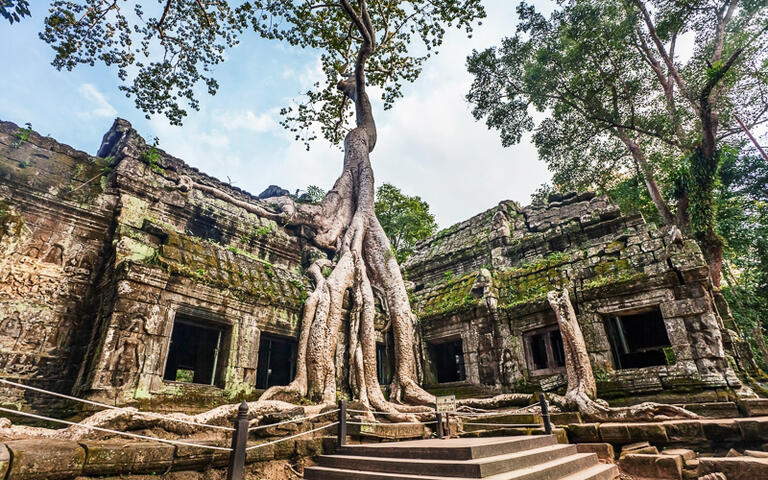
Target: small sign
(446, 404)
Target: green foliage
(742, 221)
(152, 157)
(14, 10)
(22, 136)
(314, 194)
(164, 51)
(405, 219)
(618, 114)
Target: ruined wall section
(100, 255)
(180, 251)
(56, 215)
(612, 264)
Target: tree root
(127, 420)
(582, 390)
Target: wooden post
(439, 417)
(342, 436)
(545, 414)
(239, 442)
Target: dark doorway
(449, 361)
(277, 361)
(638, 340)
(194, 355)
(384, 363)
(544, 349)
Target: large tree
(164, 50)
(622, 97)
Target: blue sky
(429, 144)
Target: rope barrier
(395, 423)
(112, 407)
(512, 425)
(291, 437)
(296, 420)
(107, 430)
(391, 413)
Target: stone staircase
(537, 457)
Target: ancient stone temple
(642, 296)
(131, 277)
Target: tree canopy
(164, 51)
(14, 10)
(624, 103)
(405, 219)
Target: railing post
(239, 442)
(439, 417)
(342, 437)
(545, 414)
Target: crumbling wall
(613, 265)
(55, 225)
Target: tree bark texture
(581, 392)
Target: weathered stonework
(484, 282)
(101, 254)
(101, 257)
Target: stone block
(753, 429)
(110, 458)
(285, 449)
(604, 451)
(684, 307)
(45, 459)
(684, 453)
(721, 430)
(652, 466)
(685, 431)
(616, 433)
(565, 418)
(755, 407)
(260, 454)
(193, 458)
(583, 432)
(309, 447)
(639, 447)
(654, 433)
(735, 468)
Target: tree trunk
(581, 392)
(650, 180)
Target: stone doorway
(195, 353)
(277, 361)
(448, 359)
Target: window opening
(638, 340)
(449, 361)
(194, 352)
(544, 350)
(277, 361)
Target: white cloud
(102, 107)
(259, 123)
(429, 144)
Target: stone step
(458, 449)
(475, 468)
(565, 468)
(600, 471)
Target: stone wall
(100, 254)
(55, 227)
(485, 280)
